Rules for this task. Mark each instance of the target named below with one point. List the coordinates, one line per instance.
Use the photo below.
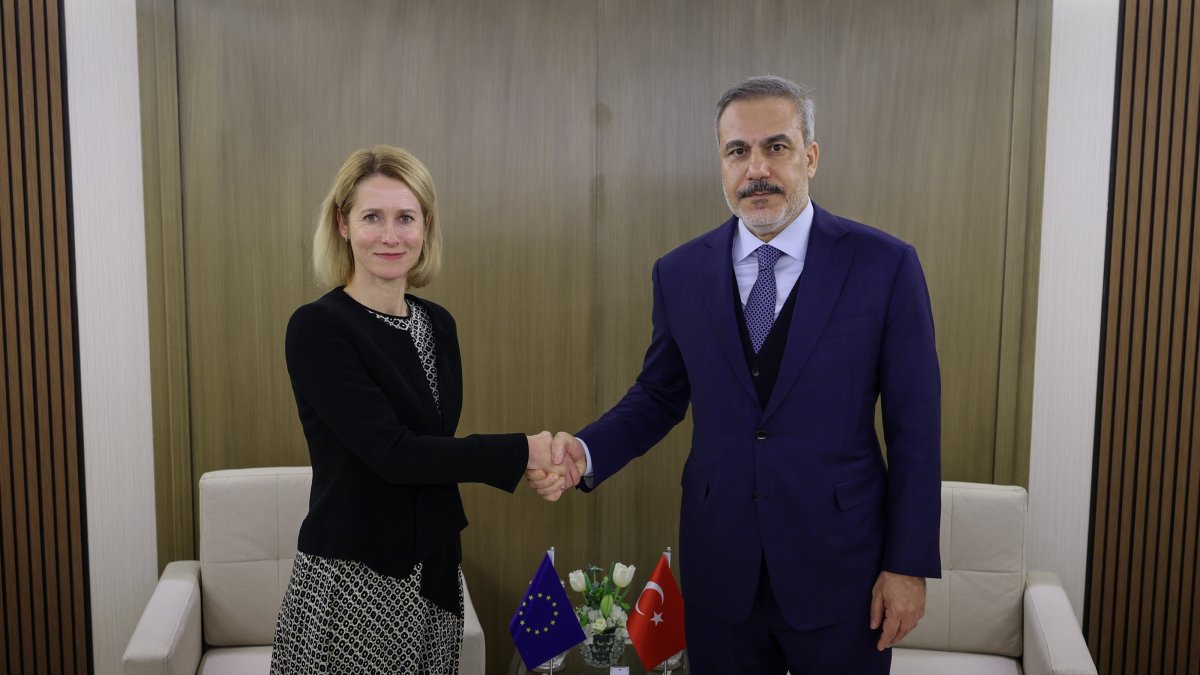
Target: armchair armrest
(471, 658)
(167, 639)
(1054, 643)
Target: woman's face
(386, 229)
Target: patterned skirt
(340, 616)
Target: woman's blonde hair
(333, 261)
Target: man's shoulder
(865, 238)
(860, 231)
(719, 238)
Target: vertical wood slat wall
(1143, 605)
(43, 595)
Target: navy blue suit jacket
(801, 483)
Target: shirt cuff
(587, 455)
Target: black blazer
(386, 465)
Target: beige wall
(110, 282)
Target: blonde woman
(376, 586)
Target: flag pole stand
(666, 665)
(550, 552)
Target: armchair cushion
(988, 614)
(471, 657)
(930, 662)
(249, 519)
(241, 660)
(976, 605)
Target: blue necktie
(760, 306)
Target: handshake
(555, 463)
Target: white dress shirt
(792, 241)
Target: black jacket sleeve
(341, 402)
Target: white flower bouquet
(604, 609)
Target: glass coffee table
(574, 665)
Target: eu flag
(544, 625)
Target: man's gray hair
(772, 86)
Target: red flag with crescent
(655, 621)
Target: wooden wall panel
(498, 100)
(43, 600)
(939, 184)
(1142, 608)
(572, 143)
(167, 301)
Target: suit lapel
(717, 291)
(825, 267)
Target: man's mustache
(759, 186)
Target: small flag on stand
(655, 624)
(544, 625)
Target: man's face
(765, 165)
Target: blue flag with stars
(544, 625)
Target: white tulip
(577, 581)
(622, 574)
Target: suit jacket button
(754, 372)
(761, 434)
(756, 496)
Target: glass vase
(554, 665)
(672, 663)
(605, 650)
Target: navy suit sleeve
(656, 402)
(910, 393)
(337, 396)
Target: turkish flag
(655, 623)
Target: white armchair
(217, 615)
(988, 614)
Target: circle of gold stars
(552, 617)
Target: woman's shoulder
(330, 309)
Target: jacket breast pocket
(839, 326)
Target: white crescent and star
(662, 598)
